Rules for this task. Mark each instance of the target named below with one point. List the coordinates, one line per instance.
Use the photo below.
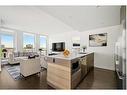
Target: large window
(28, 41)
(7, 40)
(43, 42)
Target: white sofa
(29, 66)
(13, 60)
(15, 56)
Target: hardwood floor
(96, 79)
(32, 82)
(99, 79)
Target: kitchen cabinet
(90, 61)
(87, 64)
(67, 72)
(58, 76)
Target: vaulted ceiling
(57, 19)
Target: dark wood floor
(96, 79)
(99, 79)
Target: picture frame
(98, 40)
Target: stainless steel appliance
(75, 72)
(75, 66)
(120, 53)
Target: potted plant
(84, 48)
(4, 52)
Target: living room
(32, 37)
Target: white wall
(63, 37)
(104, 56)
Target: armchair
(29, 66)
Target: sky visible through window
(28, 39)
(7, 40)
(42, 41)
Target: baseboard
(103, 68)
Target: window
(43, 42)
(7, 40)
(28, 41)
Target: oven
(75, 65)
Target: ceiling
(86, 17)
(31, 19)
(56, 19)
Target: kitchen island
(67, 72)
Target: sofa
(13, 60)
(14, 57)
(24, 54)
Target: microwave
(75, 66)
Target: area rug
(14, 71)
(4, 62)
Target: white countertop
(70, 57)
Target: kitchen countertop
(70, 57)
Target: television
(60, 46)
(76, 44)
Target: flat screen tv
(60, 46)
